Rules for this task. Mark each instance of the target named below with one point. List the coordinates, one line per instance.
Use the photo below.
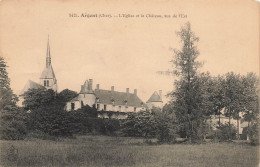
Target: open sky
(124, 52)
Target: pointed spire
(48, 55)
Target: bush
(108, 126)
(154, 124)
(50, 121)
(253, 132)
(141, 124)
(223, 132)
(13, 124)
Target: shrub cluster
(223, 133)
(149, 125)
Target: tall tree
(251, 105)
(187, 97)
(218, 96)
(233, 96)
(12, 118)
(7, 97)
(250, 93)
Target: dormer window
(97, 99)
(113, 101)
(125, 101)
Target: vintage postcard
(129, 83)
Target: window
(98, 107)
(72, 106)
(134, 109)
(105, 107)
(97, 99)
(45, 83)
(119, 108)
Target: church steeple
(48, 54)
(48, 79)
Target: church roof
(31, 85)
(118, 98)
(155, 98)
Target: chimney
(160, 94)
(135, 92)
(90, 84)
(97, 87)
(112, 88)
(127, 90)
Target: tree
(218, 96)
(38, 98)
(234, 97)
(12, 118)
(187, 97)
(7, 97)
(66, 95)
(251, 100)
(241, 97)
(251, 105)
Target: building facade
(106, 100)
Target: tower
(48, 79)
(155, 100)
(86, 93)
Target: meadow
(124, 151)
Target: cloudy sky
(124, 52)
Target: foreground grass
(120, 151)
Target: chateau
(106, 100)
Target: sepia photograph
(129, 83)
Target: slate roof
(154, 98)
(118, 98)
(31, 85)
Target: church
(47, 78)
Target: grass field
(119, 151)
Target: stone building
(106, 100)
